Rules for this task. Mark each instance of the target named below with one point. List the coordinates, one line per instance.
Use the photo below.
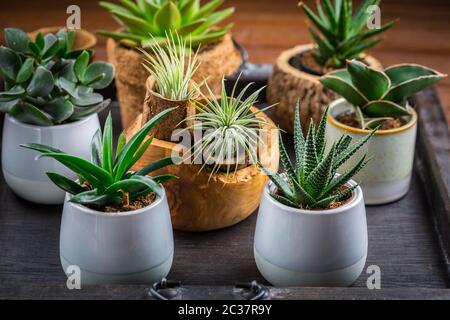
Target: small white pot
(387, 176)
(295, 247)
(121, 248)
(26, 176)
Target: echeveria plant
(344, 35)
(106, 180)
(312, 183)
(147, 22)
(378, 95)
(47, 83)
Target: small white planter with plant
(49, 98)
(311, 228)
(116, 223)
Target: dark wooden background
(266, 27)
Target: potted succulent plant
(297, 71)
(311, 228)
(373, 98)
(116, 223)
(81, 39)
(48, 98)
(146, 23)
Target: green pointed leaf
(208, 8)
(65, 184)
(80, 65)
(299, 142)
(352, 149)
(41, 148)
(107, 147)
(310, 159)
(121, 141)
(164, 178)
(403, 72)
(25, 71)
(384, 108)
(407, 88)
(27, 113)
(93, 198)
(283, 200)
(9, 64)
(96, 149)
(168, 17)
(133, 184)
(318, 179)
(190, 10)
(59, 109)
(371, 83)
(343, 88)
(17, 40)
(156, 165)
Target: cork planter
(199, 202)
(218, 59)
(83, 39)
(288, 84)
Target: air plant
(172, 67)
(46, 83)
(343, 35)
(380, 95)
(106, 180)
(148, 22)
(231, 130)
(313, 182)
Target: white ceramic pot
(295, 247)
(387, 176)
(26, 176)
(121, 248)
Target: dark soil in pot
(349, 118)
(136, 204)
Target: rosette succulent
(312, 183)
(343, 35)
(46, 83)
(380, 95)
(147, 22)
(106, 180)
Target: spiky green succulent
(146, 22)
(379, 95)
(47, 83)
(230, 128)
(343, 35)
(312, 183)
(106, 180)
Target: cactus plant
(378, 95)
(148, 22)
(312, 183)
(344, 36)
(106, 179)
(47, 83)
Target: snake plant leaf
(93, 198)
(65, 184)
(95, 69)
(80, 65)
(411, 86)
(168, 17)
(96, 149)
(41, 83)
(156, 165)
(59, 109)
(27, 113)
(385, 108)
(17, 40)
(9, 64)
(337, 83)
(25, 71)
(371, 83)
(403, 72)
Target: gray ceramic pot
(295, 247)
(26, 176)
(122, 248)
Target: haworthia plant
(106, 180)
(48, 83)
(148, 22)
(344, 35)
(378, 95)
(312, 182)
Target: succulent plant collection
(380, 95)
(147, 23)
(46, 83)
(344, 35)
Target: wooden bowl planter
(288, 84)
(83, 39)
(218, 59)
(199, 202)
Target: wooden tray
(409, 240)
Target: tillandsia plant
(157, 18)
(343, 35)
(312, 183)
(106, 180)
(376, 95)
(172, 67)
(231, 130)
(46, 83)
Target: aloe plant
(172, 67)
(380, 95)
(106, 180)
(148, 22)
(343, 35)
(47, 83)
(312, 182)
(230, 128)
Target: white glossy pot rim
(357, 198)
(90, 211)
(49, 128)
(337, 124)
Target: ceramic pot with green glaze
(386, 178)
